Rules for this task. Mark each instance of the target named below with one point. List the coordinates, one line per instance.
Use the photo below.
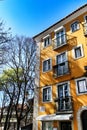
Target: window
(85, 25)
(47, 65)
(60, 38)
(62, 64)
(47, 41)
(78, 52)
(74, 26)
(47, 94)
(64, 96)
(63, 90)
(47, 125)
(85, 19)
(81, 85)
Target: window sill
(47, 46)
(46, 71)
(78, 57)
(47, 101)
(75, 31)
(84, 93)
(58, 76)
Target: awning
(55, 117)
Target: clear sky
(30, 17)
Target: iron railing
(63, 40)
(64, 104)
(61, 69)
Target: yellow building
(61, 93)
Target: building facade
(61, 92)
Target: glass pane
(82, 85)
(61, 104)
(65, 68)
(58, 59)
(46, 65)
(46, 42)
(75, 26)
(72, 27)
(49, 64)
(63, 39)
(66, 91)
(78, 52)
(61, 58)
(49, 93)
(46, 94)
(60, 70)
(86, 19)
(60, 91)
(60, 37)
(64, 58)
(58, 40)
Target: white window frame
(50, 65)
(66, 82)
(65, 61)
(44, 38)
(80, 93)
(59, 30)
(50, 93)
(78, 26)
(61, 54)
(62, 102)
(82, 51)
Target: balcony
(85, 29)
(64, 104)
(61, 69)
(63, 40)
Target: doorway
(65, 125)
(84, 120)
(47, 125)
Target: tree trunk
(18, 125)
(7, 116)
(6, 122)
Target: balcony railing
(59, 41)
(61, 69)
(64, 104)
(63, 40)
(85, 29)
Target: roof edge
(60, 20)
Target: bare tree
(5, 38)
(2, 106)
(21, 60)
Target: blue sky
(30, 17)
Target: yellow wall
(76, 70)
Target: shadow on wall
(76, 68)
